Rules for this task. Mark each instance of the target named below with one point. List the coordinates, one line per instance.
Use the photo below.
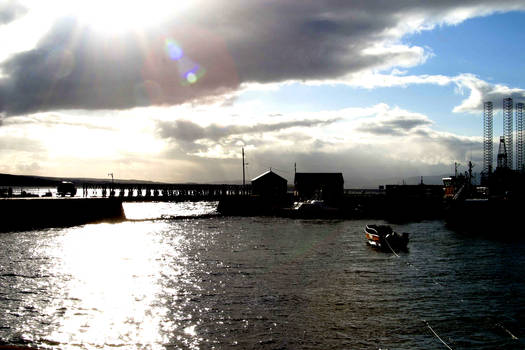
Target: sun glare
(120, 15)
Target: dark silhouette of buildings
(325, 186)
(269, 184)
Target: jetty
(35, 213)
(132, 192)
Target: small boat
(312, 205)
(384, 238)
(314, 209)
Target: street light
(112, 190)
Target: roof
(269, 173)
(319, 177)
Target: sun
(116, 16)
(124, 15)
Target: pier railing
(164, 192)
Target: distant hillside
(412, 180)
(22, 180)
(43, 181)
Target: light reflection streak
(159, 210)
(113, 293)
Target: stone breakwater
(33, 213)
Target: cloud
(20, 144)
(397, 124)
(476, 89)
(10, 10)
(360, 163)
(28, 168)
(482, 91)
(185, 130)
(217, 46)
(75, 67)
(52, 120)
(363, 143)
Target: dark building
(325, 186)
(414, 191)
(269, 184)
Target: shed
(325, 186)
(269, 184)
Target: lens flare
(173, 50)
(190, 71)
(193, 75)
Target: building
(269, 184)
(418, 191)
(325, 186)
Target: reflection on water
(262, 283)
(157, 210)
(110, 295)
(102, 286)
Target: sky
(172, 91)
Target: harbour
(267, 175)
(256, 282)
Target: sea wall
(33, 213)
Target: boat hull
(382, 237)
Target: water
(256, 283)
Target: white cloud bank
(210, 48)
(205, 56)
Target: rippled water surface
(257, 283)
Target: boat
(384, 238)
(313, 205)
(314, 208)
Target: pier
(35, 213)
(132, 192)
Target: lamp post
(111, 191)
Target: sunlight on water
(115, 278)
(161, 210)
(257, 283)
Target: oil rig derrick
(508, 130)
(520, 139)
(488, 154)
(502, 154)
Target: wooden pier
(132, 192)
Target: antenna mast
(243, 175)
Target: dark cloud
(394, 127)
(10, 10)
(187, 131)
(309, 39)
(74, 67)
(456, 147)
(223, 44)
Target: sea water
(159, 282)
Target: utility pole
(470, 166)
(243, 175)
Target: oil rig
(507, 178)
(497, 201)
